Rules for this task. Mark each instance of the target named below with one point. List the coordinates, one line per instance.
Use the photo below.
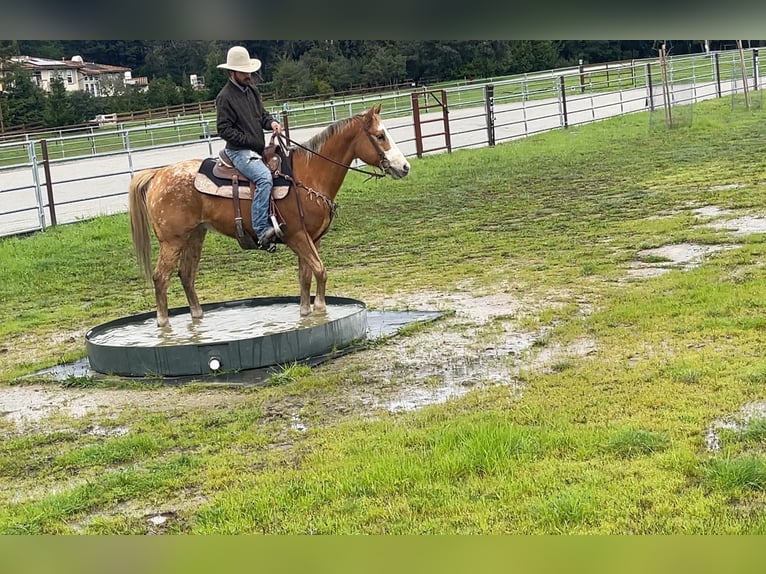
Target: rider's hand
(275, 127)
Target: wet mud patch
(477, 343)
(737, 225)
(479, 346)
(28, 405)
(741, 226)
(661, 260)
(755, 411)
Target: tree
(85, 107)
(112, 85)
(215, 77)
(25, 101)
(7, 49)
(58, 109)
(163, 92)
(292, 79)
(532, 55)
(385, 66)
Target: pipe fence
(66, 178)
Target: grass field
(580, 382)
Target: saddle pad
(207, 169)
(208, 183)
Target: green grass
(608, 442)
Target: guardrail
(70, 177)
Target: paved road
(89, 187)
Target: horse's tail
(139, 219)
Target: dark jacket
(241, 117)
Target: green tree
(215, 77)
(163, 92)
(385, 66)
(532, 55)
(58, 108)
(7, 49)
(292, 79)
(85, 107)
(25, 101)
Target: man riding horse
(241, 120)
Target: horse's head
(379, 148)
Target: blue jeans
(253, 168)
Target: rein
(331, 206)
(383, 161)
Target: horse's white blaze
(395, 156)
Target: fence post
(489, 107)
(649, 86)
(416, 117)
(36, 177)
(48, 182)
(582, 78)
(755, 69)
(126, 145)
(208, 138)
(286, 123)
(445, 116)
(717, 71)
(564, 118)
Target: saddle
(218, 176)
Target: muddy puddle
(750, 412)
(476, 344)
(658, 261)
(479, 346)
(448, 357)
(661, 260)
(23, 405)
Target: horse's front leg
(304, 279)
(320, 273)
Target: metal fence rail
(72, 177)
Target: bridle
(285, 141)
(383, 165)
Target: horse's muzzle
(398, 172)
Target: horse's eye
(381, 137)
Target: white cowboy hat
(239, 60)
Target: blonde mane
(316, 143)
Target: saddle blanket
(206, 182)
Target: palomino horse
(180, 215)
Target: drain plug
(214, 363)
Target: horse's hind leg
(187, 271)
(166, 263)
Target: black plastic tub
(237, 354)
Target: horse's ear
(373, 111)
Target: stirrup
(277, 227)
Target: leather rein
(383, 165)
(331, 206)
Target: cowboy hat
(239, 60)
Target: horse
(165, 198)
